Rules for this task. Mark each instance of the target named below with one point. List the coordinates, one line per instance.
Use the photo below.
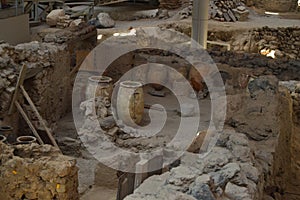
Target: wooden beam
(38, 116)
(35, 133)
(20, 81)
(80, 58)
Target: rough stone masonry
(37, 172)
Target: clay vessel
(26, 139)
(196, 80)
(7, 131)
(99, 86)
(130, 103)
(2, 138)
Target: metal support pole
(200, 21)
(195, 16)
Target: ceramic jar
(130, 103)
(26, 139)
(7, 131)
(99, 86)
(196, 79)
(2, 138)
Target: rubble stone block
(105, 21)
(53, 17)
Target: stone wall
(36, 172)
(246, 63)
(284, 41)
(81, 38)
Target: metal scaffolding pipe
(200, 21)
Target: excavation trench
(255, 157)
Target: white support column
(200, 21)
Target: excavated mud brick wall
(37, 172)
(47, 78)
(287, 175)
(276, 5)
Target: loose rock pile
(62, 20)
(226, 10)
(37, 172)
(53, 16)
(77, 31)
(226, 173)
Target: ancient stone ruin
(84, 114)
